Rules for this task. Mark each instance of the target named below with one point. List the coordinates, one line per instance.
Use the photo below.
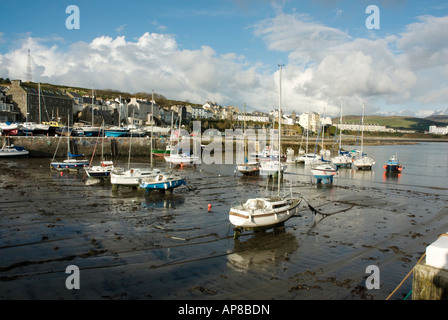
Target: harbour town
(141, 219)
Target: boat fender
(275, 217)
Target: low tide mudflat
(132, 245)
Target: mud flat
(132, 245)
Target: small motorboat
(393, 165)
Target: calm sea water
(425, 166)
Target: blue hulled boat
(70, 163)
(162, 182)
(116, 132)
(393, 165)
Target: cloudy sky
(394, 59)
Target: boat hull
(131, 177)
(160, 153)
(324, 172)
(162, 185)
(271, 168)
(182, 159)
(13, 152)
(114, 134)
(364, 163)
(249, 169)
(260, 218)
(72, 166)
(342, 161)
(98, 174)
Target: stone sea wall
(46, 147)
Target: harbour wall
(49, 146)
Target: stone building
(54, 104)
(8, 112)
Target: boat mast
(340, 130)
(308, 125)
(244, 135)
(102, 143)
(130, 144)
(323, 133)
(93, 97)
(68, 135)
(279, 127)
(152, 121)
(119, 113)
(362, 128)
(40, 112)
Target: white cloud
(393, 72)
(153, 61)
(406, 71)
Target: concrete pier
(429, 283)
(430, 280)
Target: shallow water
(132, 245)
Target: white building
(438, 130)
(310, 121)
(367, 127)
(252, 117)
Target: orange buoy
(209, 207)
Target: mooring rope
(424, 254)
(393, 292)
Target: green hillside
(396, 122)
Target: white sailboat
(105, 168)
(185, 158)
(274, 165)
(361, 160)
(72, 163)
(248, 167)
(322, 169)
(306, 157)
(263, 213)
(343, 158)
(10, 150)
(131, 177)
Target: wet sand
(129, 245)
